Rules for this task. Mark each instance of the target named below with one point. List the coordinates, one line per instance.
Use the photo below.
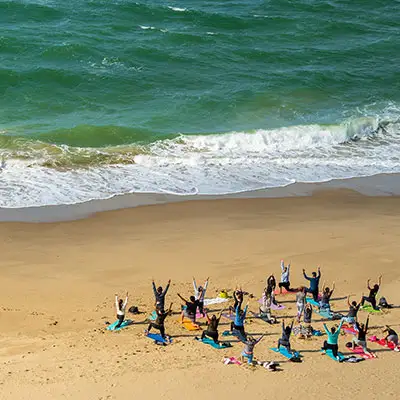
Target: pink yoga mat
(359, 351)
(382, 342)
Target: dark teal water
(214, 96)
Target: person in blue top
(314, 283)
(332, 342)
(238, 323)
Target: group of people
(194, 307)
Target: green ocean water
(174, 87)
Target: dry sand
(58, 282)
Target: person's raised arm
(259, 339)
(340, 325)
(116, 302)
(184, 300)
(234, 296)
(194, 285)
(368, 284)
(245, 310)
(348, 300)
(282, 265)
(126, 300)
(169, 309)
(380, 280)
(366, 325)
(326, 330)
(305, 275)
(206, 284)
(291, 325)
(154, 288)
(319, 273)
(166, 288)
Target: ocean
(99, 98)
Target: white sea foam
(214, 164)
(145, 27)
(178, 9)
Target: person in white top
(120, 305)
(199, 294)
(285, 281)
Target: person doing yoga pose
(120, 305)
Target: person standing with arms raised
(159, 295)
(314, 283)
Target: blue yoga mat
(284, 351)
(219, 346)
(325, 313)
(158, 338)
(330, 354)
(126, 323)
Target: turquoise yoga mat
(313, 302)
(219, 346)
(153, 316)
(330, 354)
(285, 352)
(126, 323)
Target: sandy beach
(59, 279)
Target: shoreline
(381, 185)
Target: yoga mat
(234, 333)
(232, 360)
(349, 329)
(325, 313)
(273, 306)
(219, 346)
(383, 342)
(285, 352)
(198, 314)
(317, 333)
(153, 316)
(360, 352)
(265, 319)
(370, 309)
(312, 301)
(158, 338)
(189, 325)
(284, 291)
(126, 323)
(217, 300)
(277, 306)
(330, 354)
(230, 317)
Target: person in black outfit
(361, 339)
(285, 338)
(372, 293)
(191, 308)
(351, 317)
(238, 297)
(212, 327)
(159, 322)
(271, 286)
(160, 294)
